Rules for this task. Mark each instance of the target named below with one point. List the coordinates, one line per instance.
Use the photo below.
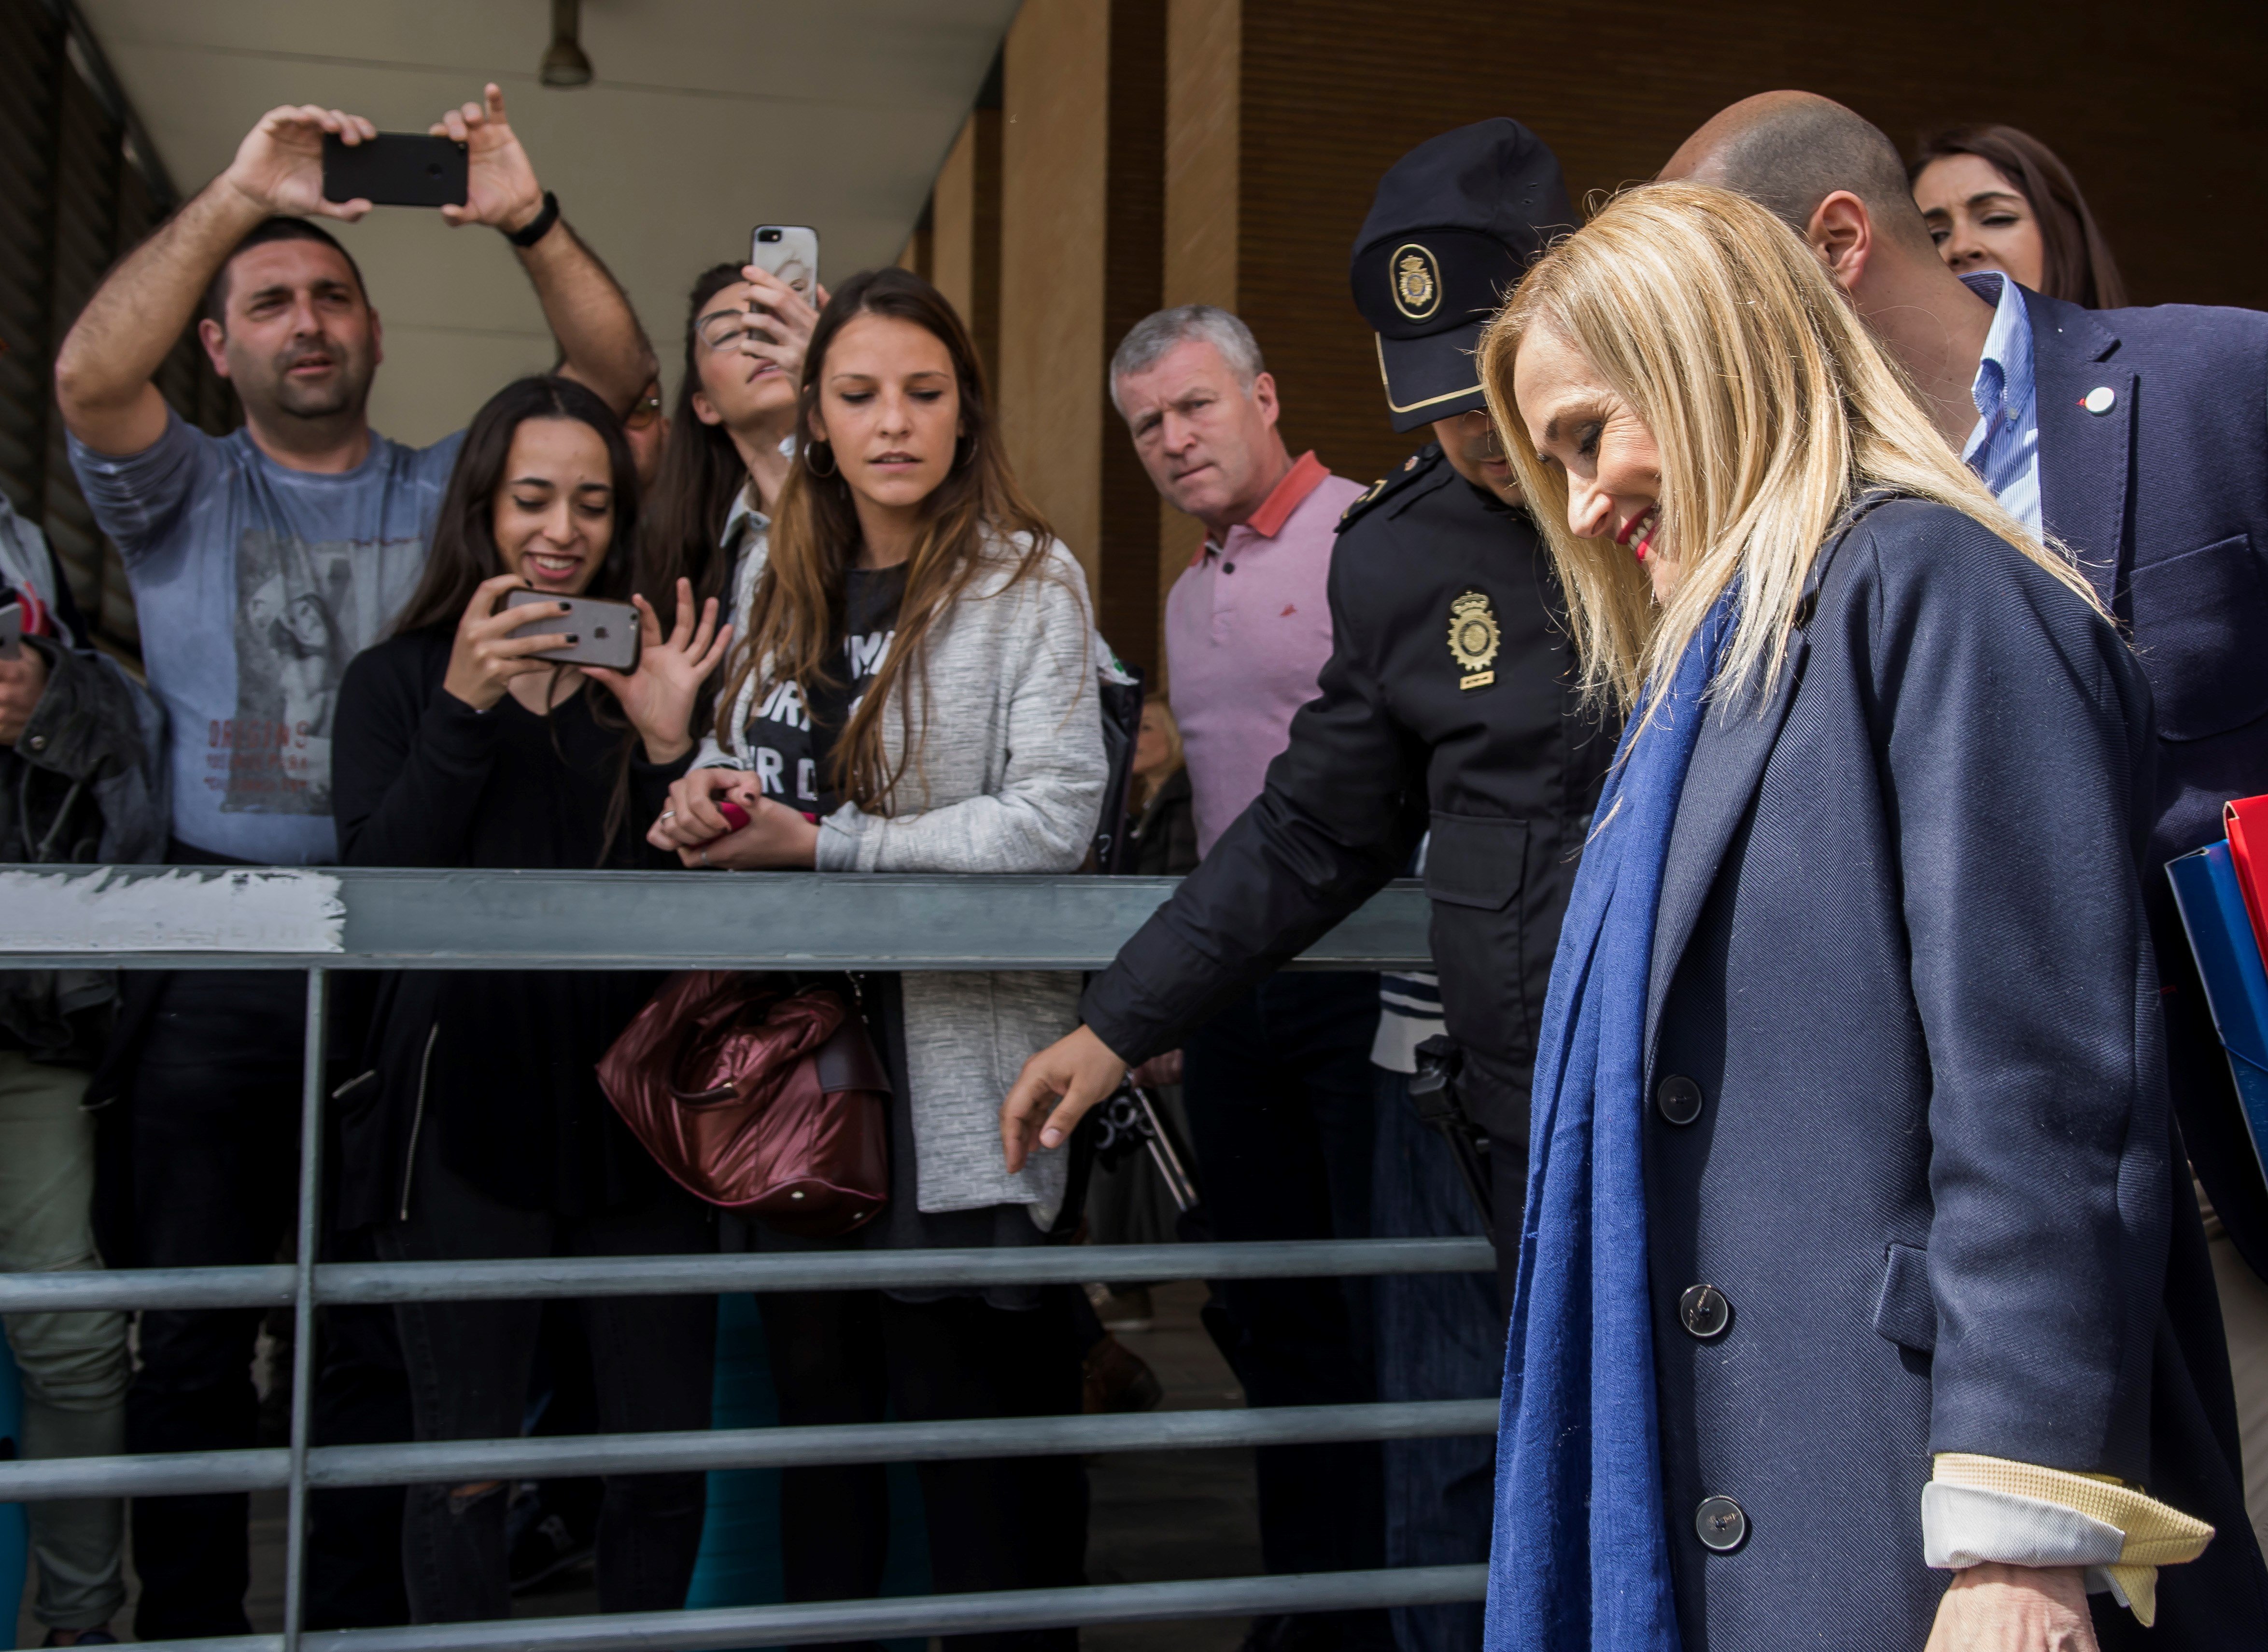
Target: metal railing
(328, 919)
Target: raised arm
(103, 371)
(598, 331)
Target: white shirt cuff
(1968, 1525)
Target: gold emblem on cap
(1417, 281)
(1474, 639)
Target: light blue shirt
(2004, 449)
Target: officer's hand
(1060, 1083)
(2015, 1609)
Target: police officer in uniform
(1445, 715)
(1448, 705)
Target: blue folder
(2235, 981)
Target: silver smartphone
(11, 631)
(605, 633)
(789, 251)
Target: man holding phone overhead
(260, 563)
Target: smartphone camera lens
(769, 235)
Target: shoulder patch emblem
(1364, 498)
(1474, 639)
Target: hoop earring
(810, 450)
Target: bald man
(2139, 438)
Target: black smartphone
(605, 633)
(395, 169)
(11, 631)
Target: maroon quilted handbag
(758, 1098)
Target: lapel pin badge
(2100, 399)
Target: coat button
(1721, 1525)
(1705, 1312)
(1678, 1099)
(37, 742)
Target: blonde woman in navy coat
(1860, 1301)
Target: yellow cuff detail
(2156, 1534)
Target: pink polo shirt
(1247, 629)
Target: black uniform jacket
(1483, 742)
(1908, 1111)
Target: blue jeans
(1440, 1336)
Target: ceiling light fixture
(564, 63)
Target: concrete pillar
(1054, 178)
(1205, 57)
(964, 230)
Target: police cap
(1456, 223)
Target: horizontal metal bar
(451, 1461)
(196, 917)
(122, 1290)
(542, 1277)
(913, 1615)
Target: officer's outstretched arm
(1055, 1091)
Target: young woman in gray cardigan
(914, 691)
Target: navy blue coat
(2165, 498)
(1902, 957)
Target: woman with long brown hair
(731, 434)
(917, 693)
(478, 1130)
(1997, 198)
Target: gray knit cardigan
(1008, 777)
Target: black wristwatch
(537, 227)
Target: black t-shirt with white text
(789, 742)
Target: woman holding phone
(480, 1130)
(915, 692)
(731, 437)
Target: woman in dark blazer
(1858, 1259)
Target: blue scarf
(1581, 1559)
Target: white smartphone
(789, 251)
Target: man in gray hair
(1278, 1082)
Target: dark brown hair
(464, 548)
(215, 308)
(702, 473)
(797, 607)
(2077, 266)
(464, 552)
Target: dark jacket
(498, 1065)
(1165, 835)
(2165, 498)
(1901, 954)
(1404, 733)
(86, 783)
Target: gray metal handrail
(531, 1279)
(723, 1627)
(318, 919)
(175, 1474)
(343, 917)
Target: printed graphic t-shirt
(790, 753)
(255, 585)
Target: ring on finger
(704, 858)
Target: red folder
(2247, 819)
